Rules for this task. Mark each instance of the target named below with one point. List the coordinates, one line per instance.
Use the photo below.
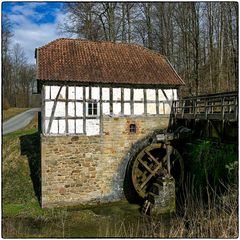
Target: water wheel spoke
(152, 157)
(150, 176)
(145, 165)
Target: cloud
(34, 25)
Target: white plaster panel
(175, 97)
(161, 96)
(161, 108)
(79, 109)
(169, 93)
(92, 127)
(62, 126)
(71, 109)
(138, 108)
(167, 109)
(117, 108)
(127, 109)
(48, 108)
(151, 108)
(46, 125)
(54, 92)
(151, 94)
(79, 93)
(79, 126)
(116, 94)
(47, 92)
(105, 94)
(106, 108)
(138, 95)
(71, 126)
(87, 92)
(95, 93)
(71, 92)
(60, 110)
(127, 94)
(54, 127)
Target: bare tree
(199, 38)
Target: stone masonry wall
(90, 169)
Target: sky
(34, 23)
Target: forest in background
(200, 39)
(18, 76)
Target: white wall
(75, 106)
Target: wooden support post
(122, 101)
(111, 101)
(131, 103)
(145, 101)
(157, 102)
(236, 107)
(222, 108)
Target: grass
(11, 112)
(213, 217)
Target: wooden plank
(145, 101)
(131, 101)
(145, 165)
(53, 110)
(111, 100)
(122, 101)
(73, 118)
(90, 92)
(157, 102)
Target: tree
(199, 38)
(6, 61)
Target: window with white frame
(92, 108)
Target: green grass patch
(18, 133)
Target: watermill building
(98, 99)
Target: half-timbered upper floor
(82, 81)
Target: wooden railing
(222, 106)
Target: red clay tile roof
(103, 62)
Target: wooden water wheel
(152, 162)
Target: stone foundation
(90, 169)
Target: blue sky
(34, 23)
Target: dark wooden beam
(131, 101)
(145, 101)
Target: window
(92, 109)
(133, 128)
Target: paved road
(19, 121)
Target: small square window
(133, 128)
(92, 108)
